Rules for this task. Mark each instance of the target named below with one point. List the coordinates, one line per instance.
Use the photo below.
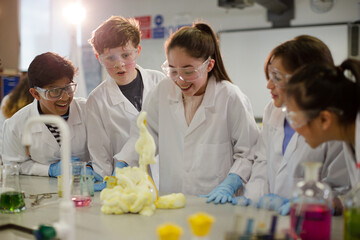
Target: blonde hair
(19, 97)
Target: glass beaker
(310, 210)
(80, 193)
(352, 213)
(11, 198)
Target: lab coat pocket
(213, 162)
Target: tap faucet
(65, 227)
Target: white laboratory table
(92, 224)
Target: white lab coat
(284, 171)
(44, 149)
(109, 116)
(2, 120)
(353, 157)
(194, 159)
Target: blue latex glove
(284, 209)
(272, 202)
(224, 192)
(55, 169)
(97, 177)
(241, 201)
(119, 165)
(100, 186)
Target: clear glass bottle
(310, 210)
(352, 213)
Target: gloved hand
(272, 202)
(55, 169)
(241, 201)
(284, 209)
(120, 165)
(100, 186)
(224, 192)
(97, 177)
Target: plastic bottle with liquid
(310, 210)
(352, 213)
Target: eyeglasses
(124, 57)
(187, 74)
(300, 118)
(278, 78)
(54, 94)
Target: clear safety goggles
(278, 78)
(54, 94)
(300, 118)
(187, 74)
(122, 57)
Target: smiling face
(122, 71)
(278, 77)
(179, 58)
(56, 107)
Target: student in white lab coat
(52, 86)
(279, 144)
(18, 98)
(323, 104)
(113, 104)
(202, 124)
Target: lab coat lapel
(208, 101)
(41, 130)
(117, 97)
(177, 107)
(74, 118)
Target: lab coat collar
(175, 94)
(208, 103)
(277, 120)
(74, 117)
(117, 97)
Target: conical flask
(11, 198)
(311, 206)
(352, 213)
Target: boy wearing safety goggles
(52, 86)
(113, 104)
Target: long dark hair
(199, 41)
(322, 86)
(301, 50)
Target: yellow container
(201, 223)
(169, 231)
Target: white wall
(54, 34)
(186, 11)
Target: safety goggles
(54, 94)
(122, 57)
(278, 78)
(299, 119)
(187, 74)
